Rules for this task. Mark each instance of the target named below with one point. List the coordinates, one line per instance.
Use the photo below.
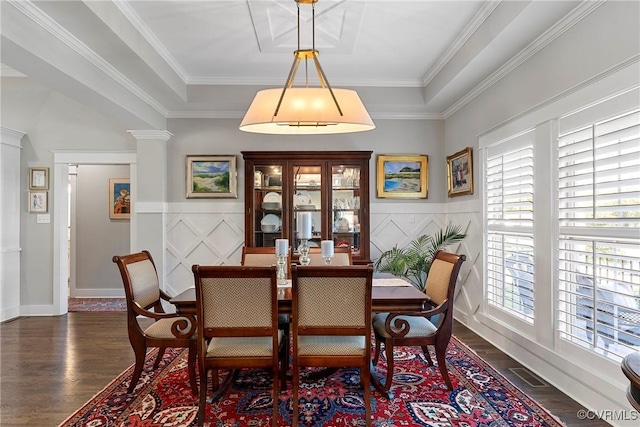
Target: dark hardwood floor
(50, 366)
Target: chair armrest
(183, 327)
(402, 327)
(165, 296)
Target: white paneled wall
(212, 233)
(209, 233)
(10, 208)
(468, 297)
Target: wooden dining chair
(266, 257)
(237, 314)
(423, 328)
(342, 256)
(262, 257)
(331, 319)
(144, 298)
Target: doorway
(61, 259)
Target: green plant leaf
(414, 262)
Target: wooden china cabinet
(332, 185)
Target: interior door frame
(60, 209)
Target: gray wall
(97, 238)
(198, 136)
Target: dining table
(387, 295)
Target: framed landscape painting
(211, 177)
(403, 176)
(119, 198)
(460, 173)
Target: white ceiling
(164, 59)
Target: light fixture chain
(313, 26)
(298, 5)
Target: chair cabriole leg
(159, 357)
(388, 351)
(193, 353)
(140, 352)
(202, 401)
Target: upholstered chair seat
(325, 345)
(163, 328)
(418, 326)
(242, 346)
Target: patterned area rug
(481, 397)
(97, 304)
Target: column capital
(11, 136)
(162, 135)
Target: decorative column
(149, 191)
(10, 211)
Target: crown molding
(575, 16)
(47, 23)
(161, 135)
(204, 114)
(129, 13)
(278, 82)
(482, 15)
(11, 137)
(6, 71)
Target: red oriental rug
(97, 304)
(481, 397)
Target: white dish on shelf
(272, 198)
(342, 224)
(270, 223)
(302, 198)
(275, 206)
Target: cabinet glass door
(268, 204)
(307, 200)
(346, 211)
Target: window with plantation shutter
(598, 197)
(508, 184)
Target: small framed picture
(460, 173)
(38, 202)
(212, 177)
(403, 176)
(119, 198)
(38, 178)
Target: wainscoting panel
(213, 234)
(469, 294)
(206, 238)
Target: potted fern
(414, 261)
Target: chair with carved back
(432, 326)
(331, 321)
(342, 256)
(237, 314)
(144, 298)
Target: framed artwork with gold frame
(38, 178)
(403, 176)
(119, 198)
(460, 173)
(212, 177)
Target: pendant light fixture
(306, 110)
